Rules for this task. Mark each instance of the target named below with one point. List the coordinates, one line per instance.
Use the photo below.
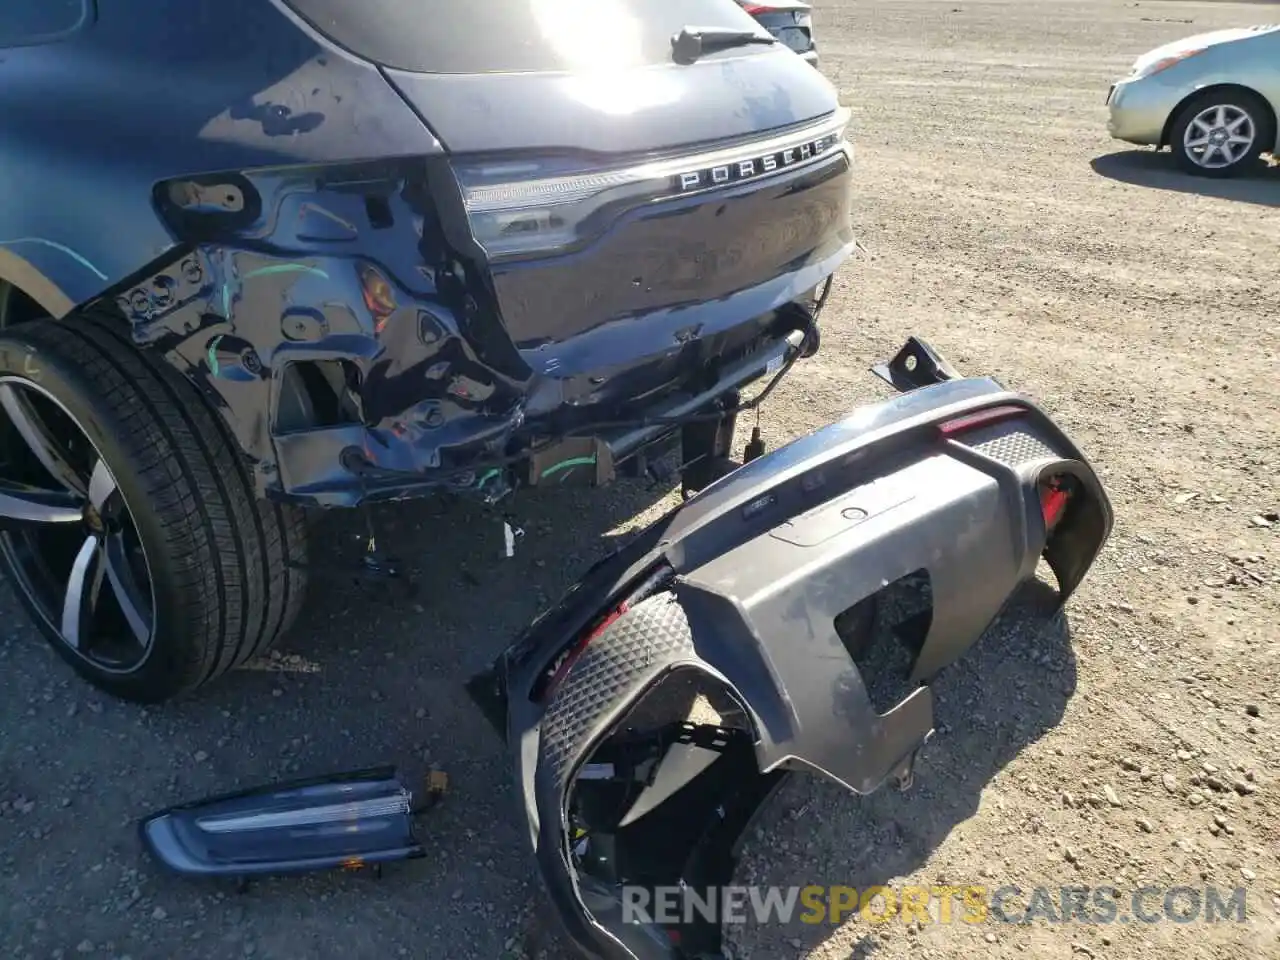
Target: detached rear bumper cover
(744, 583)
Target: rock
(201, 756)
(1145, 773)
(1128, 763)
(159, 913)
(1170, 782)
(990, 938)
(1069, 855)
(1250, 775)
(1209, 768)
(1145, 825)
(84, 946)
(1248, 874)
(1215, 783)
(1195, 799)
(1260, 521)
(1109, 792)
(1068, 800)
(1184, 754)
(1244, 787)
(1252, 710)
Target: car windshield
(513, 36)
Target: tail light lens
(535, 206)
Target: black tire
(224, 566)
(1239, 107)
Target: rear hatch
(627, 205)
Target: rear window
(512, 36)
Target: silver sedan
(1212, 99)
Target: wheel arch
(17, 273)
(1216, 88)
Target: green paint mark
(480, 484)
(226, 301)
(213, 359)
(570, 464)
(285, 268)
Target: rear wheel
(1222, 133)
(128, 523)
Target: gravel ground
(1131, 741)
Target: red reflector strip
(581, 645)
(979, 418)
(1052, 503)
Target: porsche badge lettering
(749, 168)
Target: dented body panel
(140, 93)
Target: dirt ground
(1130, 742)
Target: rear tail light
(528, 206)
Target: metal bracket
(916, 365)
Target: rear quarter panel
(91, 122)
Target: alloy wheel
(1219, 136)
(68, 538)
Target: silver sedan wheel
(67, 536)
(1219, 136)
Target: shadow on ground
(1146, 168)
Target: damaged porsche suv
(273, 255)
